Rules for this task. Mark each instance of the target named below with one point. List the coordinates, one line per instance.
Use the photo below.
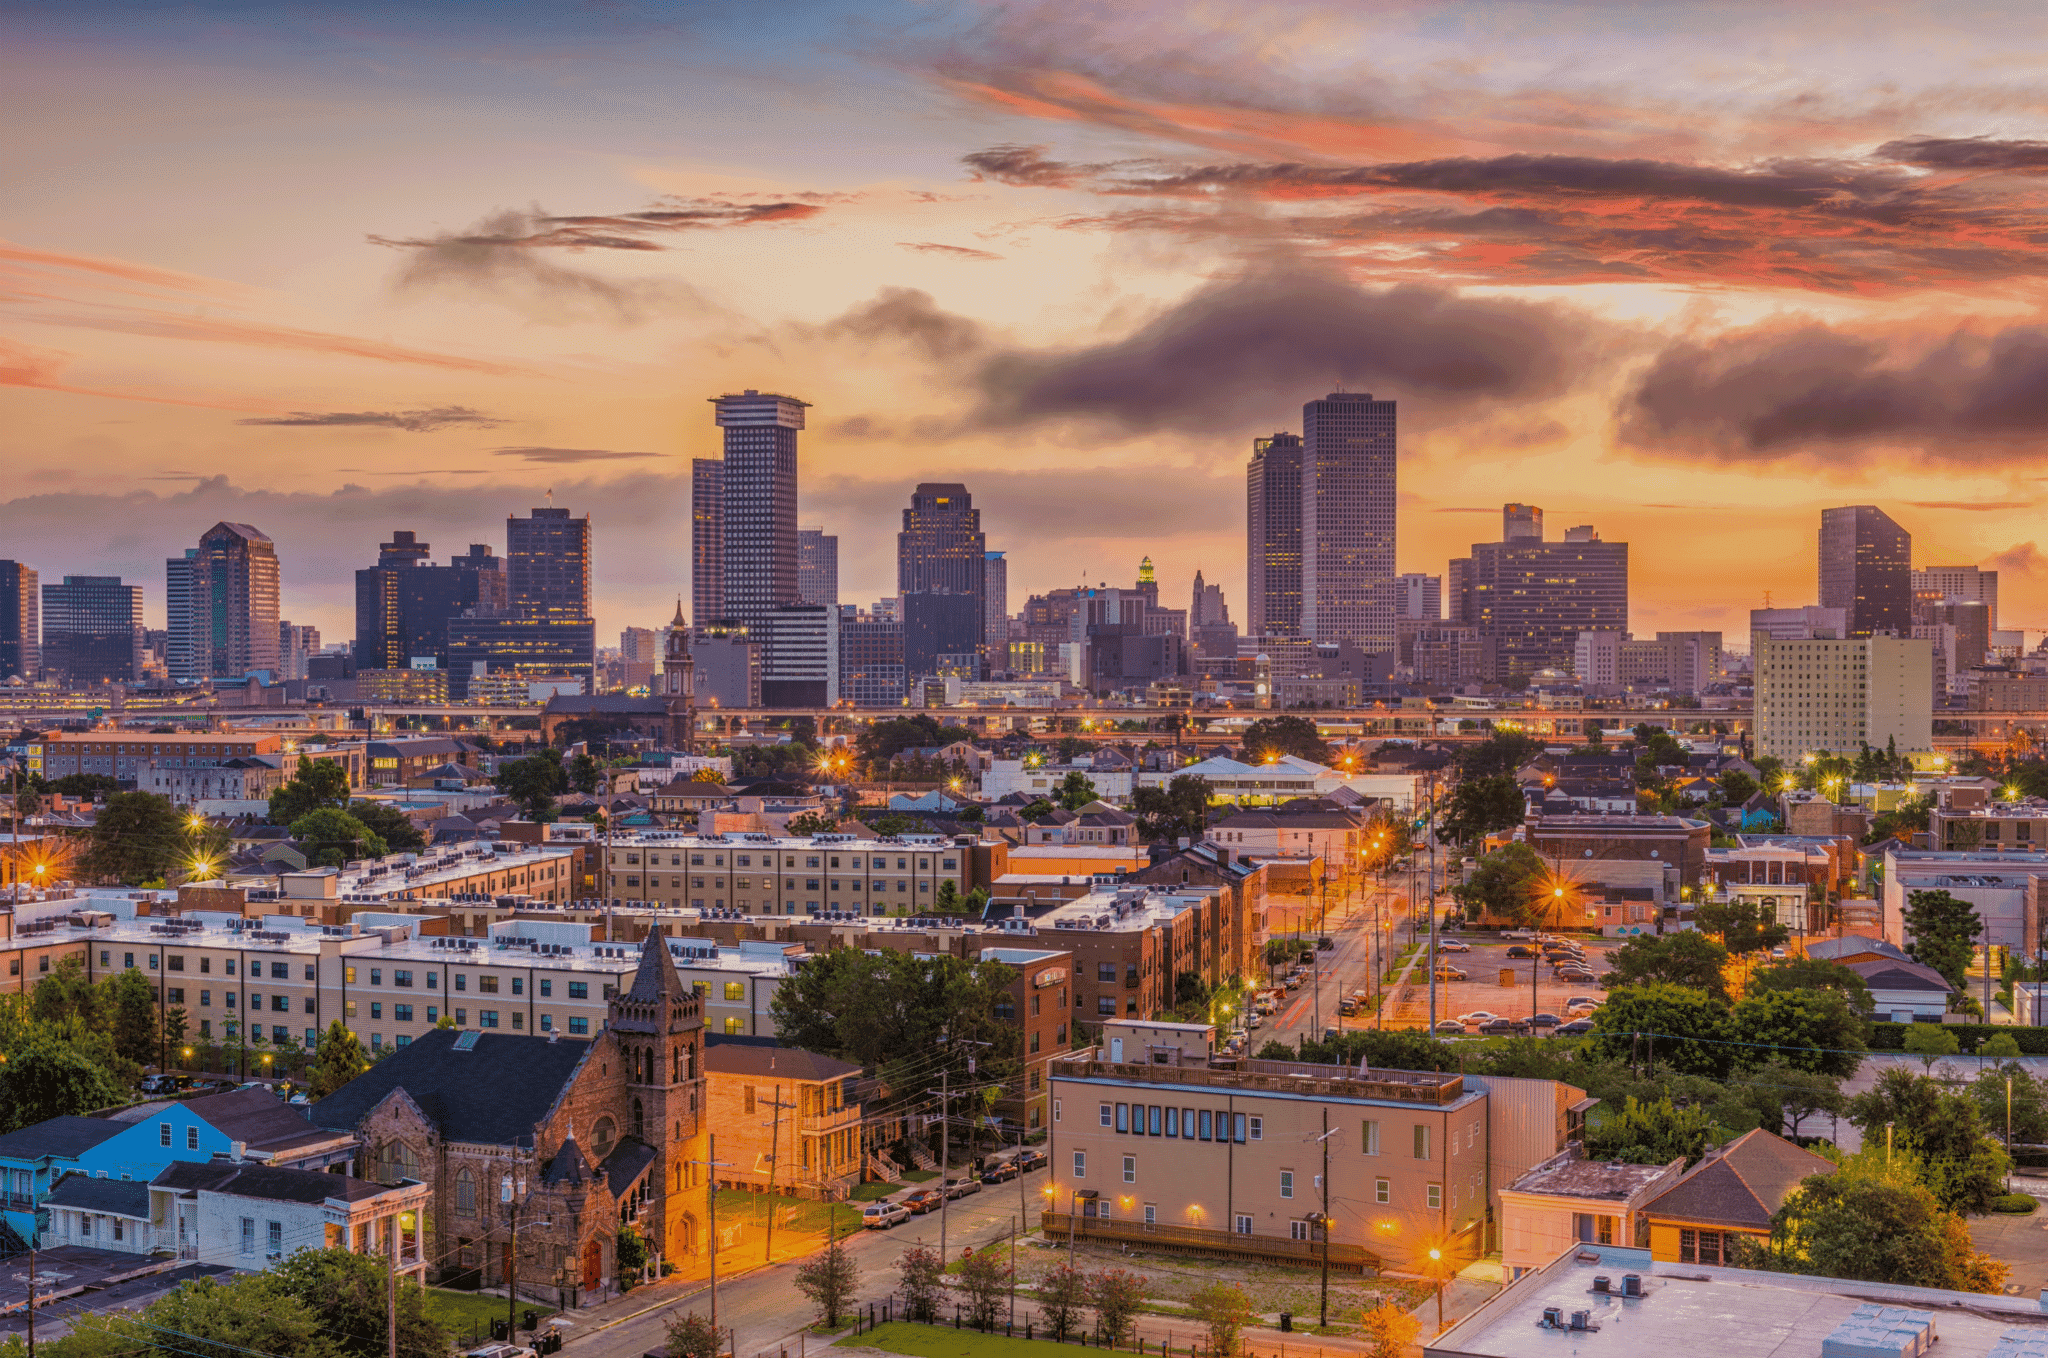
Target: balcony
(1275, 1077)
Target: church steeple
(679, 683)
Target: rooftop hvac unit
(1631, 1284)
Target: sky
(1689, 273)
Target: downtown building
(404, 603)
(1820, 692)
(941, 578)
(92, 631)
(1866, 569)
(545, 627)
(1528, 599)
(221, 603)
(1348, 521)
(21, 628)
(1273, 529)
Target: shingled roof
(763, 1057)
(494, 1094)
(64, 1138)
(114, 1197)
(1741, 1185)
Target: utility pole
(1429, 828)
(509, 1193)
(1323, 1312)
(946, 1140)
(712, 1163)
(774, 1155)
(391, 1302)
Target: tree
(534, 782)
(1179, 809)
(1076, 791)
(338, 1059)
(986, 1281)
(1502, 753)
(1741, 924)
(884, 740)
(2001, 1047)
(1944, 1132)
(1388, 1329)
(176, 1021)
(692, 1336)
(1802, 1094)
(1930, 1042)
(351, 1294)
(829, 1278)
(1036, 810)
(131, 1002)
(1271, 737)
(1061, 1295)
(391, 825)
(1504, 883)
(1115, 1294)
(1737, 787)
(315, 784)
(65, 993)
(50, 1081)
(922, 1272)
(1811, 973)
(811, 823)
(584, 772)
(630, 1251)
(333, 838)
(1677, 1025)
(1687, 958)
(1651, 1134)
(1943, 929)
(1807, 1029)
(2029, 1100)
(947, 900)
(1480, 806)
(1279, 952)
(1860, 1223)
(136, 837)
(1224, 1310)
(251, 1312)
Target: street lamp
(1436, 1270)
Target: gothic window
(395, 1161)
(639, 1121)
(465, 1194)
(602, 1137)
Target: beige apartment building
(127, 755)
(761, 874)
(1833, 695)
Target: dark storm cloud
(909, 316)
(566, 455)
(1968, 153)
(411, 421)
(1217, 358)
(1772, 392)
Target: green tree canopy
(1480, 806)
(1180, 808)
(1957, 1161)
(1672, 1025)
(1737, 787)
(1501, 754)
(130, 1004)
(1076, 790)
(1743, 926)
(884, 740)
(1812, 1030)
(391, 825)
(1944, 930)
(316, 783)
(137, 837)
(1504, 883)
(1651, 1134)
(351, 1293)
(1273, 736)
(332, 838)
(584, 772)
(1687, 958)
(49, 1081)
(534, 782)
(1863, 1224)
(1811, 973)
(338, 1059)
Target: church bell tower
(679, 684)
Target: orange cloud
(22, 365)
(167, 325)
(150, 275)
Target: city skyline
(1035, 247)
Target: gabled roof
(494, 1094)
(1890, 975)
(627, 1162)
(64, 1138)
(257, 1118)
(1742, 1184)
(115, 1197)
(761, 1057)
(1854, 945)
(567, 1168)
(265, 1182)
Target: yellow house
(1732, 1193)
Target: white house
(1905, 992)
(1005, 776)
(1570, 1200)
(248, 1216)
(101, 1214)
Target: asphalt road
(764, 1307)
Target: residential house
(1732, 1193)
(1907, 992)
(783, 1117)
(1569, 1199)
(256, 1216)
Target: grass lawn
(919, 1176)
(804, 1216)
(934, 1341)
(460, 1311)
(873, 1192)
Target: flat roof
(1695, 1308)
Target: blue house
(135, 1143)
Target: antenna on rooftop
(1767, 598)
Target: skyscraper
(223, 605)
(707, 539)
(404, 603)
(1521, 521)
(547, 564)
(296, 647)
(1957, 584)
(1273, 536)
(1529, 599)
(758, 567)
(21, 631)
(1347, 520)
(1419, 596)
(544, 625)
(1866, 568)
(92, 630)
(995, 605)
(817, 567)
(941, 577)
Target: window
(1243, 1225)
(1123, 1118)
(518, 985)
(1237, 1128)
(1421, 1141)
(276, 1238)
(1369, 1137)
(462, 1018)
(312, 1005)
(1258, 1128)
(312, 972)
(1203, 1125)
(191, 1138)
(579, 990)
(174, 995)
(1130, 1169)
(205, 964)
(485, 1018)
(461, 981)
(1436, 1196)
(465, 1194)
(1080, 1164)
(579, 1026)
(163, 1134)
(1151, 1213)
(547, 987)
(1105, 1004)
(177, 962)
(376, 1011)
(1595, 1229)
(1105, 1108)
(1152, 1120)
(248, 1235)
(128, 958)
(1297, 1230)
(1382, 1191)
(433, 980)
(487, 984)
(1699, 1247)
(401, 1012)
(282, 971)
(1104, 971)
(547, 1023)
(433, 1014)
(736, 990)
(401, 978)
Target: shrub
(2014, 1204)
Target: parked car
(1505, 1027)
(1028, 1160)
(999, 1171)
(1521, 950)
(1477, 1017)
(1452, 945)
(1581, 1002)
(1578, 1027)
(1325, 943)
(1446, 972)
(1330, 1034)
(1576, 975)
(960, 1188)
(159, 1084)
(1347, 1007)
(1544, 1020)
(1445, 1027)
(923, 1200)
(880, 1216)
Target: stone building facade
(540, 1152)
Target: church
(540, 1151)
(668, 715)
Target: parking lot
(1482, 991)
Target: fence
(1199, 1239)
(891, 1310)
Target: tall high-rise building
(1530, 599)
(1823, 695)
(817, 567)
(640, 654)
(870, 659)
(21, 631)
(544, 626)
(1273, 536)
(92, 630)
(1347, 520)
(404, 603)
(1958, 584)
(995, 605)
(707, 539)
(1866, 568)
(547, 564)
(1521, 521)
(941, 577)
(1419, 596)
(225, 624)
(759, 564)
(296, 647)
